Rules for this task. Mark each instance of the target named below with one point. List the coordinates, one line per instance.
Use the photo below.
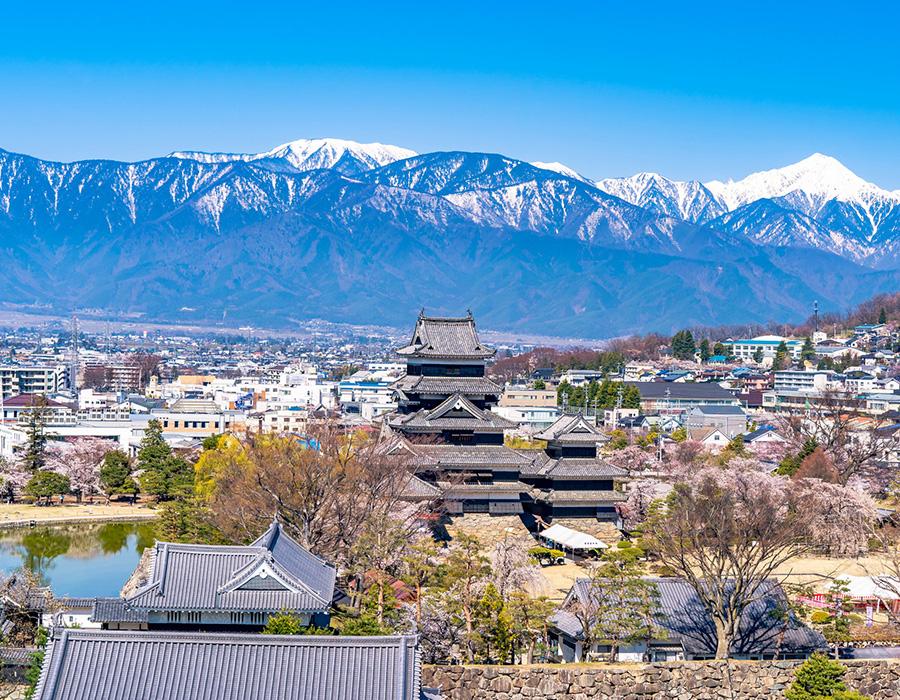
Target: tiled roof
(454, 338)
(115, 610)
(418, 489)
(572, 428)
(578, 467)
(685, 621)
(451, 490)
(455, 413)
(418, 384)
(32, 400)
(105, 665)
(466, 456)
(211, 577)
(579, 496)
(720, 410)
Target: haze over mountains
(368, 233)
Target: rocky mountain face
(371, 233)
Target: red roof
(29, 400)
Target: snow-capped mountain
(690, 201)
(368, 233)
(348, 157)
(561, 169)
(817, 202)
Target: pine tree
(162, 474)
(782, 358)
(808, 351)
(704, 350)
(34, 457)
(820, 678)
(758, 356)
(683, 346)
(882, 316)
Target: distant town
(424, 514)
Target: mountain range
(370, 233)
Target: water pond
(79, 560)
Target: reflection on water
(82, 560)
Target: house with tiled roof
(684, 629)
(216, 587)
(80, 664)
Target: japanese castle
(455, 441)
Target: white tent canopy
(571, 539)
(883, 587)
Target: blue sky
(692, 90)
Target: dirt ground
(14, 512)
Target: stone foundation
(683, 680)
(490, 529)
(604, 531)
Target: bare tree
(727, 532)
(837, 424)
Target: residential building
(802, 380)
(767, 628)
(675, 397)
(731, 420)
(745, 349)
(33, 379)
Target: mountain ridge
(278, 236)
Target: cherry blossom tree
(80, 460)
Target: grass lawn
(70, 510)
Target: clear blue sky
(687, 89)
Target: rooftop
(449, 338)
(190, 666)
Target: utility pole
(816, 315)
(74, 360)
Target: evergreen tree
(704, 350)
(758, 355)
(494, 627)
(283, 623)
(45, 484)
(162, 474)
(808, 351)
(721, 349)
(115, 475)
(683, 346)
(782, 357)
(34, 457)
(820, 678)
(882, 316)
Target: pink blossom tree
(80, 460)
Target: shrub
(820, 678)
(819, 617)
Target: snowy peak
(561, 169)
(690, 200)
(819, 178)
(349, 157)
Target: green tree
(683, 346)
(758, 355)
(188, 519)
(34, 457)
(530, 622)
(539, 384)
(835, 627)
(494, 627)
(721, 349)
(33, 673)
(115, 475)
(284, 622)
(820, 678)
(704, 350)
(782, 357)
(680, 434)
(162, 474)
(791, 463)
(45, 484)
(882, 315)
(808, 351)
(465, 571)
(420, 569)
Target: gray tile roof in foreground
(274, 573)
(104, 665)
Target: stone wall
(684, 680)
